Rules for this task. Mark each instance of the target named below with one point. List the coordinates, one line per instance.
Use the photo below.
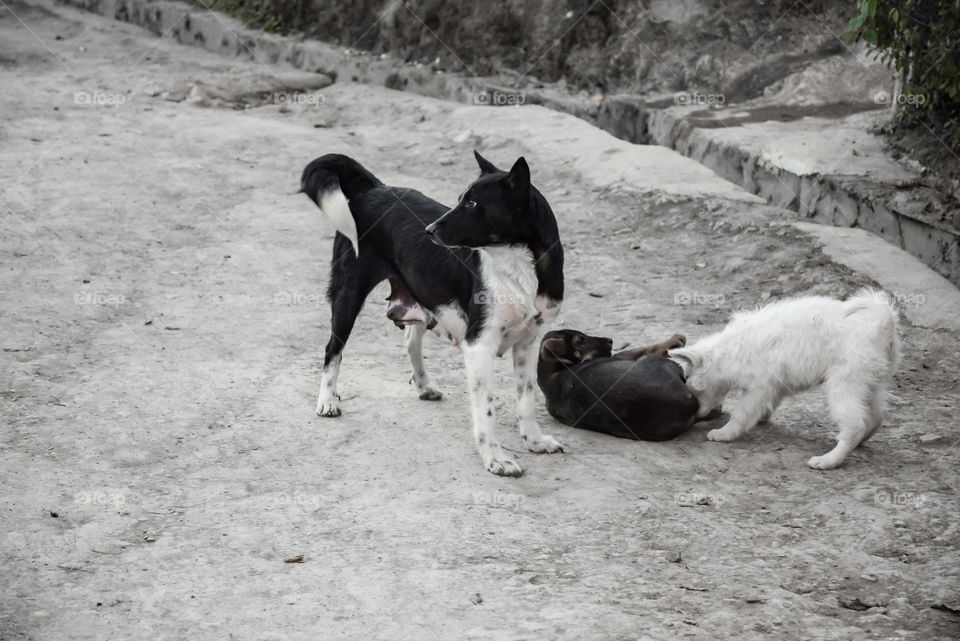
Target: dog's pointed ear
(518, 180)
(688, 361)
(554, 350)
(486, 167)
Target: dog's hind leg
(351, 279)
(768, 412)
(478, 358)
(849, 409)
(525, 354)
(875, 407)
(346, 305)
(414, 335)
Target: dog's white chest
(510, 281)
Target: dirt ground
(162, 334)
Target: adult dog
(484, 275)
(850, 346)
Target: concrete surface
(927, 299)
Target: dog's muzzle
(431, 231)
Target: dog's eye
(471, 204)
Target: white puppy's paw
(723, 435)
(328, 405)
(543, 445)
(825, 462)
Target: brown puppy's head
(568, 346)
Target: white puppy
(792, 345)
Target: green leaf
(870, 36)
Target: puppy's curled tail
(882, 310)
(331, 181)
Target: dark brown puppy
(637, 394)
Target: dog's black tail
(333, 180)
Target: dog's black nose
(609, 341)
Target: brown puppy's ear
(554, 350)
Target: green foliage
(269, 15)
(921, 40)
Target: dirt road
(162, 333)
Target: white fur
(518, 315)
(792, 345)
(451, 324)
(336, 208)
(414, 335)
(328, 402)
(510, 284)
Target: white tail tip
(334, 205)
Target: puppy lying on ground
(792, 345)
(638, 394)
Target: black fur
(393, 243)
(503, 208)
(640, 397)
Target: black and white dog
(484, 275)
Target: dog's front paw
(430, 394)
(497, 462)
(722, 434)
(504, 467)
(328, 405)
(543, 445)
(825, 462)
